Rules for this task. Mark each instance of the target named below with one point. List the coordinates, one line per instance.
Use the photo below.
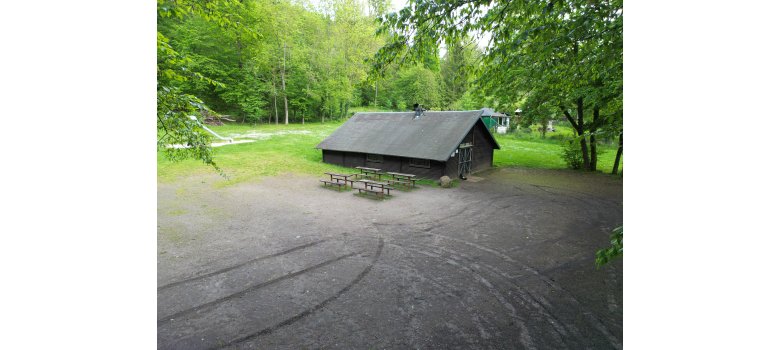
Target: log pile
(212, 118)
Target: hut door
(464, 160)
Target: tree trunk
(284, 87)
(594, 127)
(617, 156)
(376, 93)
(581, 132)
(276, 110)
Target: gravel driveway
(505, 261)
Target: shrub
(572, 154)
(603, 256)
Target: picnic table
(374, 187)
(372, 173)
(341, 178)
(406, 180)
(338, 180)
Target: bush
(603, 256)
(572, 154)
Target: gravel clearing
(283, 263)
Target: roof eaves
(479, 120)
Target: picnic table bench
(376, 188)
(336, 177)
(373, 173)
(333, 183)
(408, 180)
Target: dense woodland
(282, 61)
(293, 62)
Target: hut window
(374, 158)
(420, 163)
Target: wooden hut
(496, 121)
(433, 144)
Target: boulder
(445, 181)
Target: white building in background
(503, 124)
(495, 121)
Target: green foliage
(549, 58)
(530, 150)
(572, 154)
(604, 256)
(457, 73)
(176, 128)
(417, 85)
(175, 70)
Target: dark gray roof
(435, 135)
(487, 112)
(490, 112)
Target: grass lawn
(534, 152)
(279, 149)
(283, 149)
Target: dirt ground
(505, 260)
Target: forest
(283, 61)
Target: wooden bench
(373, 173)
(377, 188)
(342, 178)
(334, 183)
(408, 180)
(379, 193)
(407, 184)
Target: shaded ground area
(503, 262)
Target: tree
(457, 71)
(417, 85)
(174, 107)
(565, 54)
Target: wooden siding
(389, 163)
(483, 150)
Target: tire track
(253, 288)
(313, 309)
(444, 289)
(592, 320)
(233, 267)
(525, 336)
(524, 296)
(474, 206)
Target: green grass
(282, 149)
(532, 151)
(290, 149)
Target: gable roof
(434, 135)
(490, 112)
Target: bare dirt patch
(505, 262)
